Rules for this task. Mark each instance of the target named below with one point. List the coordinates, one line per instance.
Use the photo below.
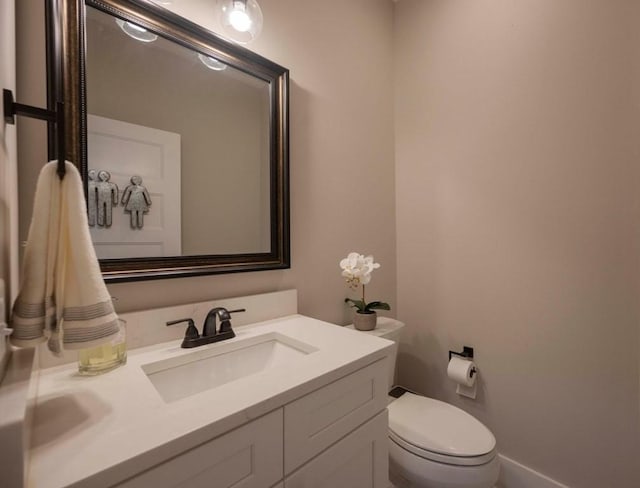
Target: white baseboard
(516, 475)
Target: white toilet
(433, 444)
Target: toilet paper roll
(462, 371)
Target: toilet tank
(389, 329)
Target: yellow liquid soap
(103, 358)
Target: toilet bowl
(433, 444)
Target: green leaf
(377, 306)
(359, 304)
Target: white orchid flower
(367, 268)
(357, 269)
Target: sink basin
(188, 374)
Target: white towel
(62, 291)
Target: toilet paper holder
(467, 353)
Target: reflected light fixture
(211, 63)
(241, 20)
(135, 31)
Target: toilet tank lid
(439, 427)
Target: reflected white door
(125, 150)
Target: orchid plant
(357, 269)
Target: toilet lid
(438, 427)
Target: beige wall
(8, 165)
(8, 170)
(32, 90)
(342, 177)
(517, 216)
(635, 42)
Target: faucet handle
(191, 332)
(225, 319)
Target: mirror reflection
(177, 145)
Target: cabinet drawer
(247, 457)
(317, 420)
(360, 460)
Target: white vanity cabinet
(292, 402)
(335, 436)
(247, 457)
(321, 418)
(359, 460)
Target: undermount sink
(188, 374)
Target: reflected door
(125, 150)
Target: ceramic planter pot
(365, 321)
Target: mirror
(181, 138)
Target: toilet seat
(440, 432)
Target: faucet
(209, 332)
(224, 315)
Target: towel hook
(11, 109)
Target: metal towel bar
(12, 108)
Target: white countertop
(16, 394)
(98, 431)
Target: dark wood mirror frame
(67, 83)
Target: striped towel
(63, 295)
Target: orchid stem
(364, 304)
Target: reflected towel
(62, 291)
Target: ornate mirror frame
(67, 82)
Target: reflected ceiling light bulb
(212, 63)
(241, 20)
(135, 31)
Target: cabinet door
(247, 457)
(360, 460)
(317, 420)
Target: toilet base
(406, 470)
